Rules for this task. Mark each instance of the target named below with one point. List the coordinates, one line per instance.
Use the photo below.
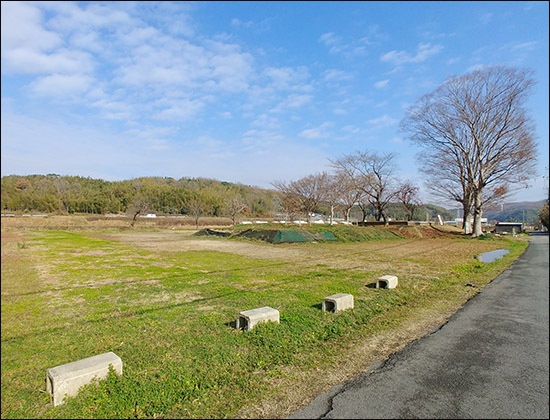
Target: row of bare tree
(363, 179)
(477, 147)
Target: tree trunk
(478, 211)
(465, 214)
(348, 212)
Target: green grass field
(169, 314)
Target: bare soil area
(424, 243)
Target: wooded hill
(525, 212)
(78, 195)
(56, 194)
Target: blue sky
(246, 92)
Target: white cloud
(423, 52)
(27, 60)
(337, 45)
(335, 75)
(522, 46)
(59, 85)
(240, 23)
(112, 109)
(29, 33)
(178, 110)
(320, 132)
(381, 84)
(111, 60)
(329, 39)
(287, 78)
(293, 101)
(266, 122)
(383, 121)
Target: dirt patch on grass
(181, 241)
(398, 256)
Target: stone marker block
(386, 282)
(338, 302)
(66, 380)
(248, 319)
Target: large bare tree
(478, 125)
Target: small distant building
(508, 227)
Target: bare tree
(479, 119)
(373, 175)
(290, 204)
(364, 205)
(306, 193)
(335, 187)
(349, 197)
(407, 195)
(234, 207)
(345, 194)
(197, 205)
(139, 205)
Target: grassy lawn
(166, 305)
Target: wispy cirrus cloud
(336, 44)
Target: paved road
(489, 361)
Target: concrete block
(66, 380)
(386, 282)
(338, 302)
(248, 319)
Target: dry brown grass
(53, 222)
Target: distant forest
(56, 194)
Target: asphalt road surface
(489, 361)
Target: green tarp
(276, 236)
(210, 232)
